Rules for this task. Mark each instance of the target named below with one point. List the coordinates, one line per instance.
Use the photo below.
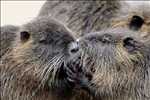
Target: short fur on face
(127, 13)
(118, 60)
(34, 68)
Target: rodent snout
(74, 47)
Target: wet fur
(7, 36)
(89, 16)
(34, 69)
(32, 83)
(119, 74)
(82, 16)
(15, 82)
(78, 19)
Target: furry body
(33, 69)
(25, 79)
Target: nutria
(134, 16)
(33, 69)
(30, 84)
(89, 16)
(82, 16)
(114, 65)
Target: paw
(74, 71)
(77, 74)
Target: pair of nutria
(43, 59)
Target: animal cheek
(145, 31)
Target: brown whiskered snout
(112, 60)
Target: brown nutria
(34, 67)
(134, 16)
(88, 23)
(114, 65)
(82, 16)
(89, 16)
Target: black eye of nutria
(24, 36)
(136, 22)
(129, 43)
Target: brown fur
(23, 80)
(82, 16)
(124, 17)
(109, 84)
(120, 67)
(34, 69)
(7, 36)
(88, 16)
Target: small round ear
(24, 36)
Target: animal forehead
(45, 24)
(114, 34)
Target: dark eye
(129, 43)
(24, 36)
(136, 22)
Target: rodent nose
(74, 47)
(106, 38)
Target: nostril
(74, 48)
(106, 38)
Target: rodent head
(44, 46)
(118, 59)
(134, 16)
